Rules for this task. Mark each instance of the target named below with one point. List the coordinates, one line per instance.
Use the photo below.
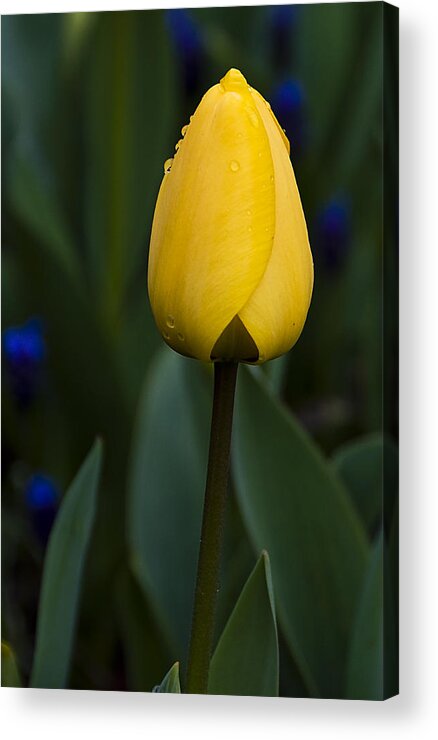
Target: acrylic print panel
(164, 234)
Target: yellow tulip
(230, 267)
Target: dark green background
(92, 106)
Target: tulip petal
(275, 313)
(214, 221)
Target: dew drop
(234, 166)
(170, 321)
(184, 130)
(180, 336)
(167, 165)
(253, 117)
(178, 144)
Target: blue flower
(186, 37)
(289, 105)
(333, 233)
(24, 351)
(42, 499)
(282, 21)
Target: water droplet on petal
(184, 130)
(234, 166)
(253, 117)
(167, 165)
(170, 321)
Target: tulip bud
(230, 267)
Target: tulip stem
(210, 549)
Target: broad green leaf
(371, 663)
(35, 204)
(76, 29)
(276, 371)
(296, 508)
(170, 683)
(368, 467)
(32, 81)
(245, 662)
(31, 87)
(129, 99)
(333, 30)
(62, 576)
(166, 489)
(143, 645)
(10, 675)
(342, 113)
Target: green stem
(207, 583)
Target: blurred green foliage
(92, 106)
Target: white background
(67, 715)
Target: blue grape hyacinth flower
(24, 352)
(282, 22)
(42, 499)
(186, 37)
(289, 105)
(333, 233)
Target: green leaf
(295, 507)
(170, 683)
(369, 469)
(63, 568)
(166, 489)
(144, 652)
(32, 81)
(10, 675)
(31, 87)
(348, 39)
(245, 662)
(35, 204)
(129, 99)
(371, 663)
